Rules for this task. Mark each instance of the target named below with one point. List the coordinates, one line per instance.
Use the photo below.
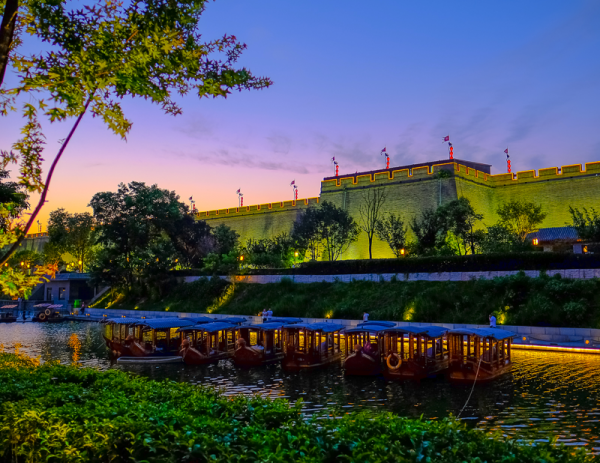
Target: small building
(65, 288)
(557, 239)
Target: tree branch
(42, 199)
(7, 30)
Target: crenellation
(571, 169)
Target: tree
(370, 213)
(277, 252)
(134, 225)
(460, 219)
(392, 230)
(587, 223)
(326, 227)
(96, 55)
(520, 217)
(73, 234)
(193, 241)
(225, 257)
(226, 239)
(499, 239)
(430, 232)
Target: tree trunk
(7, 30)
(370, 246)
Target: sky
(351, 78)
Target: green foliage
(500, 239)
(327, 229)
(587, 223)
(134, 226)
(460, 220)
(226, 239)
(192, 240)
(65, 413)
(277, 252)
(72, 234)
(520, 217)
(530, 301)
(391, 229)
(430, 230)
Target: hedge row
(69, 414)
(471, 263)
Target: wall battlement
(258, 208)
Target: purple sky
(350, 78)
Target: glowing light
(22, 263)
(585, 249)
(402, 251)
(241, 257)
(524, 338)
(587, 341)
(296, 254)
(408, 314)
(535, 241)
(329, 314)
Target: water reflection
(545, 394)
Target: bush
(69, 414)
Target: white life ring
(389, 363)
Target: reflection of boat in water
(207, 343)
(311, 345)
(6, 313)
(480, 354)
(414, 352)
(258, 344)
(363, 348)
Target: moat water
(545, 395)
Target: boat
(48, 313)
(363, 349)
(414, 352)
(117, 331)
(207, 343)
(259, 344)
(6, 313)
(311, 345)
(233, 320)
(150, 360)
(479, 354)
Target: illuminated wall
(410, 193)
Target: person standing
(269, 314)
(365, 317)
(264, 315)
(492, 321)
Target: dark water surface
(545, 394)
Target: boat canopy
(198, 320)
(321, 326)
(285, 320)
(124, 321)
(208, 327)
(378, 323)
(270, 326)
(366, 329)
(233, 320)
(494, 333)
(426, 330)
(164, 323)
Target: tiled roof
(71, 276)
(554, 234)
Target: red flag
(447, 138)
(238, 192)
(293, 182)
(384, 150)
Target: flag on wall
(293, 183)
(238, 192)
(450, 144)
(333, 159)
(384, 150)
(447, 138)
(506, 151)
(191, 198)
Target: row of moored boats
(371, 348)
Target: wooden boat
(233, 320)
(284, 320)
(150, 360)
(145, 338)
(414, 352)
(363, 349)
(207, 343)
(48, 313)
(117, 331)
(311, 345)
(258, 344)
(480, 354)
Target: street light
(535, 241)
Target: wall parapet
(258, 209)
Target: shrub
(69, 414)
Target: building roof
(123, 321)
(545, 235)
(233, 320)
(164, 323)
(486, 168)
(269, 326)
(198, 320)
(70, 276)
(284, 320)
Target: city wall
(411, 191)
